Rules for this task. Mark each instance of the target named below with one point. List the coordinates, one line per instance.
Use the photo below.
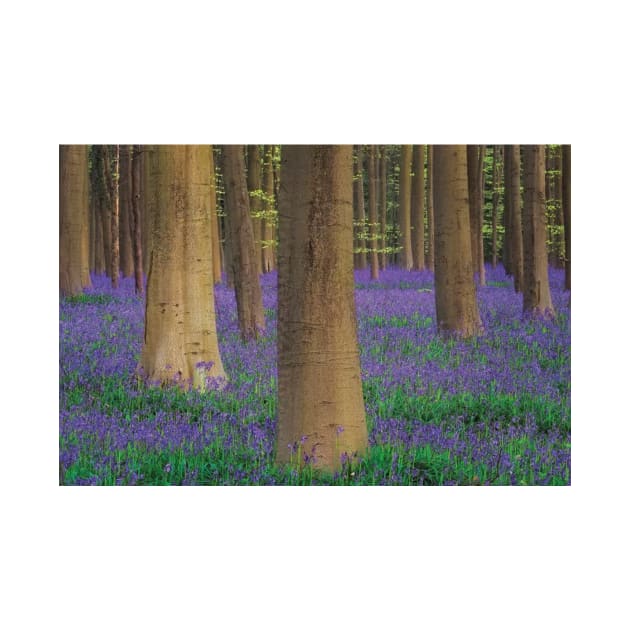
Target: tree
(254, 186)
(475, 156)
(514, 236)
(566, 211)
(214, 225)
(383, 205)
(405, 206)
(496, 186)
(249, 306)
(149, 188)
(74, 226)
(430, 217)
(417, 207)
(269, 204)
(124, 232)
(180, 337)
(455, 298)
(372, 213)
(321, 413)
(358, 201)
(114, 201)
(137, 200)
(536, 294)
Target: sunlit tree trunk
(417, 207)
(372, 213)
(114, 197)
(249, 307)
(214, 225)
(320, 401)
(359, 209)
(106, 207)
(566, 211)
(475, 154)
(513, 208)
(405, 206)
(254, 185)
(536, 294)
(137, 202)
(455, 296)
(383, 205)
(430, 217)
(149, 187)
(124, 231)
(269, 202)
(496, 187)
(180, 337)
(74, 226)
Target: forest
(314, 315)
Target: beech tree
(455, 296)
(383, 205)
(360, 257)
(180, 337)
(251, 318)
(269, 203)
(404, 206)
(566, 211)
(430, 215)
(124, 229)
(475, 156)
(514, 236)
(254, 186)
(135, 222)
(536, 294)
(321, 414)
(74, 226)
(417, 207)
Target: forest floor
(494, 410)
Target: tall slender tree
(360, 259)
(74, 273)
(113, 173)
(430, 217)
(214, 225)
(249, 306)
(124, 231)
(321, 413)
(566, 210)
(455, 298)
(417, 207)
(269, 205)
(254, 186)
(149, 187)
(496, 187)
(404, 206)
(372, 213)
(180, 337)
(536, 293)
(383, 205)
(137, 200)
(514, 236)
(475, 155)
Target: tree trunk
(417, 207)
(536, 294)
(254, 185)
(513, 208)
(475, 159)
(251, 318)
(405, 206)
(566, 211)
(106, 209)
(180, 337)
(267, 231)
(383, 208)
(214, 225)
(359, 210)
(496, 185)
(137, 202)
(124, 232)
(455, 298)
(321, 414)
(149, 187)
(74, 220)
(372, 214)
(482, 203)
(430, 218)
(114, 196)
